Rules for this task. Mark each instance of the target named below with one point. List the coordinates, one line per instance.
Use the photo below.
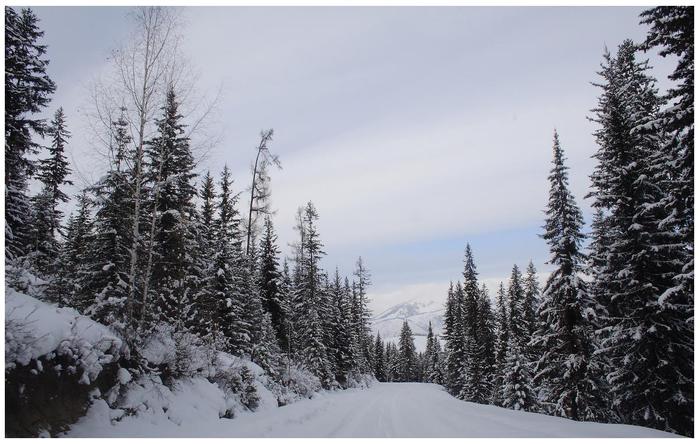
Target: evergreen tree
(532, 295)
(501, 345)
(27, 92)
(230, 300)
(567, 369)
(174, 277)
(206, 301)
(518, 325)
(269, 281)
(308, 299)
(52, 173)
(433, 370)
(379, 362)
(407, 355)
(103, 281)
(517, 381)
(362, 315)
(454, 335)
(474, 359)
(647, 337)
(72, 257)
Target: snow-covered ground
(384, 410)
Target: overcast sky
(413, 130)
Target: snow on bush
(35, 329)
(297, 383)
(179, 353)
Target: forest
(183, 275)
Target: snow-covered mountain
(417, 312)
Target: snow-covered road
(415, 410)
(384, 410)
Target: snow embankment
(34, 329)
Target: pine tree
(72, 257)
(433, 370)
(532, 295)
(169, 170)
(407, 355)
(362, 315)
(52, 173)
(206, 301)
(518, 325)
(517, 379)
(342, 335)
(103, 280)
(27, 92)
(646, 338)
(307, 300)
(502, 334)
(517, 382)
(229, 314)
(567, 370)
(270, 280)
(454, 335)
(379, 368)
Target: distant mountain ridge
(418, 313)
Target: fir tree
(103, 280)
(72, 257)
(567, 371)
(454, 335)
(269, 281)
(230, 301)
(308, 298)
(379, 368)
(407, 355)
(647, 338)
(27, 92)
(52, 173)
(501, 345)
(169, 170)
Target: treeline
(401, 363)
(610, 336)
(152, 249)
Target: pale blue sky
(413, 130)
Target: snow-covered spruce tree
(474, 359)
(308, 298)
(518, 324)
(517, 378)
(103, 281)
(487, 337)
(518, 393)
(342, 334)
(72, 257)
(52, 173)
(433, 370)
(206, 302)
(229, 300)
(501, 344)
(28, 90)
(454, 336)
(269, 281)
(567, 372)
(173, 278)
(391, 355)
(532, 294)
(379, 362)
(647, 336)
(362, 315)
(672, 32)
(407, 355)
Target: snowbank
(35, 329)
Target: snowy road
(384, 410)
(415, 410)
